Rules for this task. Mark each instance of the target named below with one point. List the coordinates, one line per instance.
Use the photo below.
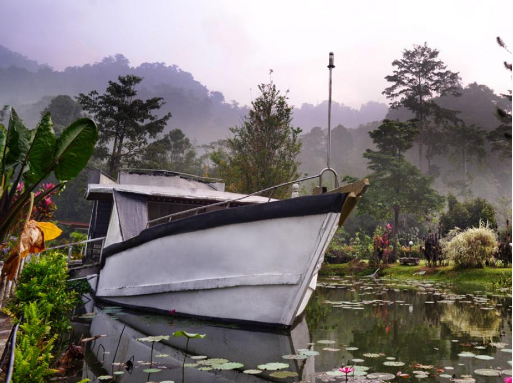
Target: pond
(383, 330)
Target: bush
(473, 247)
(43, 281)
(405, 252)
(35, 343)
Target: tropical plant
(471, 248)
(30, 156)
(467, 213)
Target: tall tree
(64, 111)
(467, 143)
(397, 185)
(419, 77)
(262, 152)
(173, 152)
(125, 122)
(501, 136)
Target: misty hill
(9, 58)
(200, 113)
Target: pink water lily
(507, 379)
(347, 370)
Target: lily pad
(331, 349)
(508, 350)
(273, 366)
(357, 360)
(324, 341)
(162, 356)
(156, 338)
(252, 372)
(211, 362)
(105, 377)
(487, 372)
(188, 334)
(335, 373)
(283, 374)
(190, 364)
(372, 355)
(301, 356)
(307, 352)
(152, 370)
(484, 357)
(381, 376)
(466, 354)
(445, 376)
(421, 376)
(228, 366)
(199, 357)
(393, 364)
(118, 372)
(351, 348)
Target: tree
(263, 151)
(173, 152)
(501, 136)
(467, 214)
(467, 143)
(64, 111)
(419, 78)
(125, 122)
(397, 185)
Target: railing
(70, 245)
(196, 210)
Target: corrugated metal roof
(97, 190)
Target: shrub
(35, 343)
(43, 281)
(473, 247)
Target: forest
(188, 128)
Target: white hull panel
(262, 271)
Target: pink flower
(347, 370)
(507, 379)
(20, 187)
(389, 226)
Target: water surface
(413, 331)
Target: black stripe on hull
(294, 207)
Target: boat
(180, 243)
(121, 329)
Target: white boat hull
(260, 271)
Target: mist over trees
(464, 126)
(202, 114)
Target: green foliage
(126, 122)
(64, 111)
(30, 156)
(173, 152)
(35, 343)
(419, 77)
(43, 282)
(397, 186)
(263, 151)
(467, 214)
(471, 248)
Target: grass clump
(472, 248)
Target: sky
(230, 45)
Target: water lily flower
(507, 379)
(346, 370)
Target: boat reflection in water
(251, 347)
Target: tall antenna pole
(330, 66)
